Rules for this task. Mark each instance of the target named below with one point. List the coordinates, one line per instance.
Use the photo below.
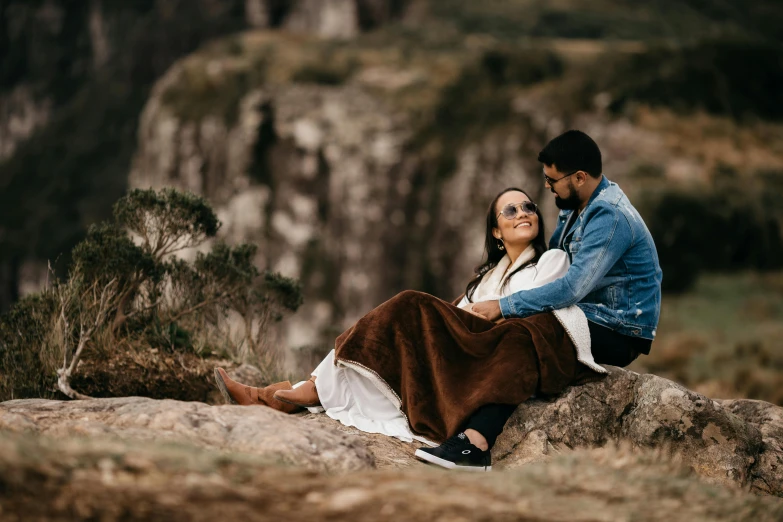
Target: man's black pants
(608, 346)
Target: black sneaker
(457, 453)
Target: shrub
(122, 293)
(716, 230)
(326, 71)
(739, 79)
(26, 368)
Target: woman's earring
(500, 245)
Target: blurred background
(358, 143)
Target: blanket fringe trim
(574, 322)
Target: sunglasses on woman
(512, 210)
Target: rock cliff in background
(20, 116)
(39, 40)
(74, 77)
(364, 167)
(359, 168)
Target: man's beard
(571, 202)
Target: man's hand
(490, 310)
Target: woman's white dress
(356, 399)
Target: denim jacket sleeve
(605, 238)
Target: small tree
(167, 222)
(121, 289)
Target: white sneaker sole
(423, 455)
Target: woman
(417, 367)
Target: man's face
(562, 186)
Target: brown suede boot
(305, 396)
(237, 393)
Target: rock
(21, 114)
(258, 431)
(732, 443)
(326, 18)
(70, 478)
(648, 411)
(388, 452)
(767, 471)
(140, 459)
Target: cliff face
(365, 166)
(74, 77)
(342, 161)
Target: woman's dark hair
(571, 151)
(494, 254)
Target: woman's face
(520, 231)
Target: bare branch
(85, 334)
(64, 386)
(144, 309)
(192, 309)
(84, 337)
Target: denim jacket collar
(603, 184)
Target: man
(614, 278)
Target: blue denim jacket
(614, 277)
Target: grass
(81, 478)
(724, 338)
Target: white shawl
(552, 265)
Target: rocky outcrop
(735, 443)
(271, 435)
(766, 473)
(644, 412)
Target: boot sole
(432, 459)
(221, 384)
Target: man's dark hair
(571, 151)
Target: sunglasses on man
(512, 210)
(552, 181)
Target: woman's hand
(470, 310)
(489, 310)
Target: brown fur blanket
(443, 363)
